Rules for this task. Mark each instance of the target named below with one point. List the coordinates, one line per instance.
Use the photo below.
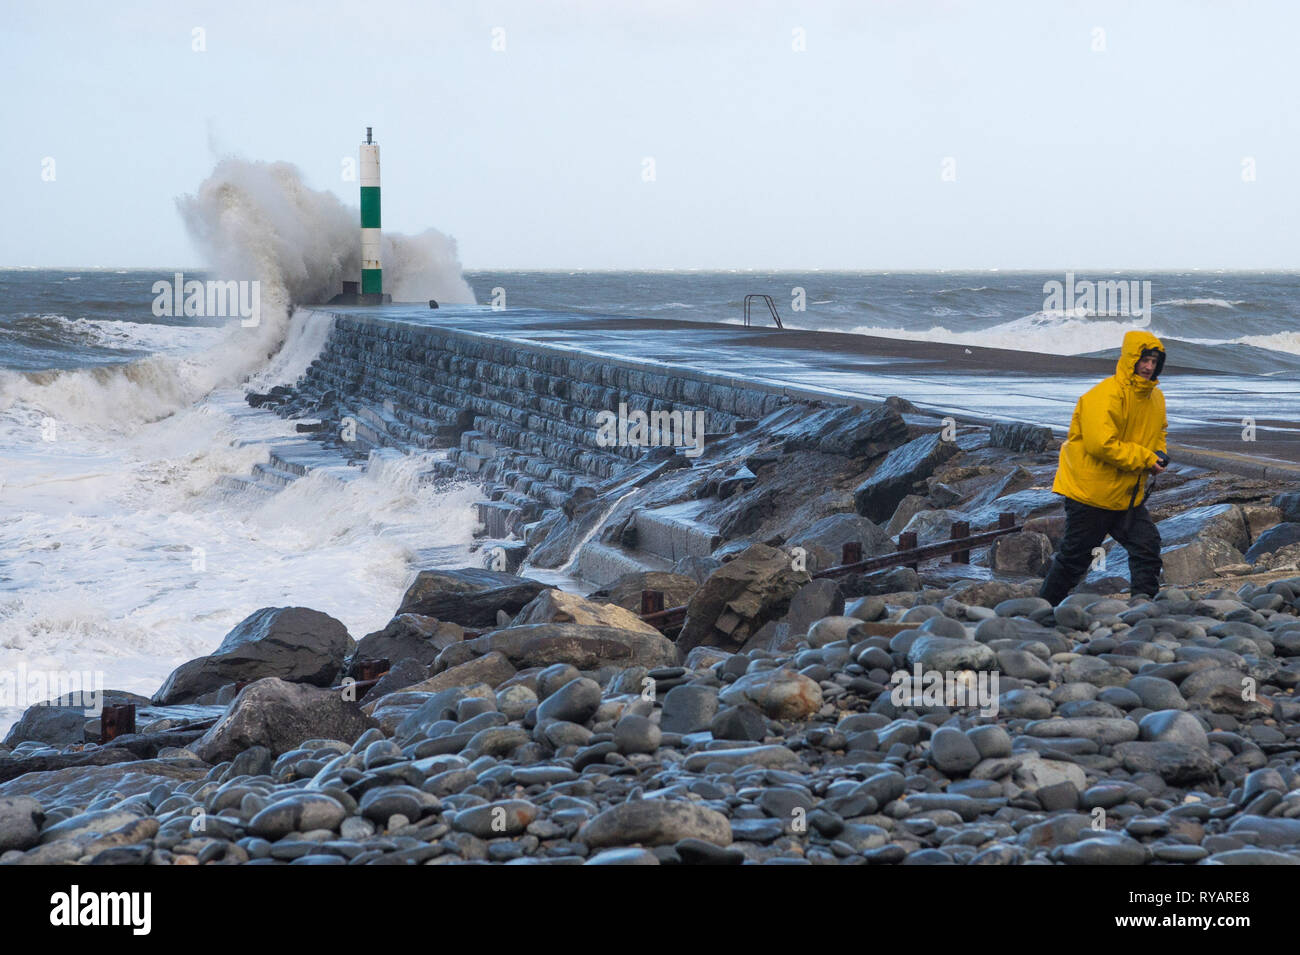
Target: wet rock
(1173, 726)
(556, 606)
(280, 715)
(1253, 857)
(655, 822)
(739, 597)
(400, 675)
(824, 541)
(907, 508)
(878, 496)
(299, 812)
(815, 600)
(575, 702)
(469, 596)
(1269, 832)
(952, 752)
(946, 653)
(623, 857)
(1196, 561)
(509, 817)
(409, 636)
(293, 644)
(745, 722)
(1275, 538)
(1222, 690)
(677, 587)
(1102, 730)
(781, 694)
(894, 580)
(585, 647)
(636, 734)
(1103, 849)
(831, 630)
(1157, 693)
(21, 818)
(1175, 763)
(853, 432)
(1025, 554)
(1034, 772)
(689, 708)
(1019, 436)
(492, 668)
(62, 721)
(773, 757)
(1223, 522)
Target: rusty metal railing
(960, 544)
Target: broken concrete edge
(1229, 462)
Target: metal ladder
(771, 307)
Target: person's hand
(1157, 468)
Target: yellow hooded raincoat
(1117, 427)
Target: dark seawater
(1244, 323)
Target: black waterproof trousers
(1085, 528)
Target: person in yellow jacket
(1117, 436)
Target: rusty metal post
(371, 669)
(115, 721)
(652, 601)
(960, 529)
(907, 541)
(1006, 519)
(851, 552)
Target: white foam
(121, 555)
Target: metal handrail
(771, 307)
(908, 554)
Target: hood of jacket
(1135, 343)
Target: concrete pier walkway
(1208, 413)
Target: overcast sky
(912, 134)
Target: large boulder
(491, 668)
(409, 636)
(1224, 522)
(290, 643)
(739, 597)
(907, 508)
(676, 587)
(1026, 554)
(813, 601)
(556, 606)
(864, 433)
(279, 716)
(853, 432)
(1194, 562)
(894, 477)
(469, 596)
(1019, 436)
(62, 721)
(1274, 539)
(824, 541)
(1288, 505)
(586, 647)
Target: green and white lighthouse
(372, 271)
